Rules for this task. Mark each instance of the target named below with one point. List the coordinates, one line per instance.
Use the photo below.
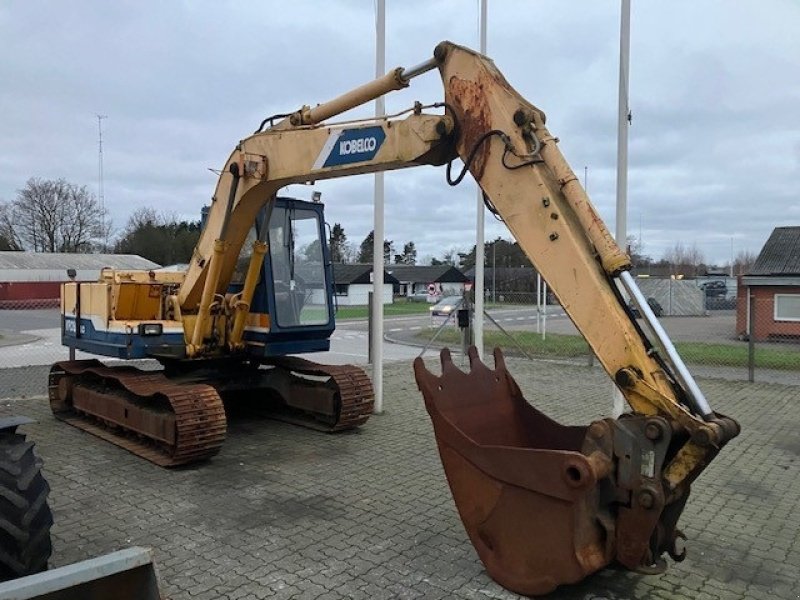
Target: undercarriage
(177, 415)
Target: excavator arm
(637, 470)
(528, 183)
(543, 504)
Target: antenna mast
(101, 193)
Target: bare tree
(684, 260)
(744, 262)
(350, 253)
(142, 218)
(635, 249)
(8, 236)
(56, 216)
(451, 257)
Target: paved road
(350, 341)
(22, 320)
(26, 320)
(718, 326)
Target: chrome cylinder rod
(672, 357)
(396, 79)
(424, 67)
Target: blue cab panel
(127, 345)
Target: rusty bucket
(527, 488)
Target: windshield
(298, 269)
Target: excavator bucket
(525, 486)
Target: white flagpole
(480, 234)
(623, 115)
(377, 248)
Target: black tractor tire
(25, 516)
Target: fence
(715, 343)
(709, 339)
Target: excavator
(544, 504)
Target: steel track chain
(200, 421)
(357, 396)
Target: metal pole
(466, 333)
(586, 179)
(494, 271)
(378, 232)
(72, 275)
(544, 313)
(751, 336)
(480, 234)
(623, 120)
(538, 303)
(101, 191)
(369, 327)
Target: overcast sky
(715, 97)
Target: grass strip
(571, 346)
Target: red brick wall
(29, 294)
(764, 305)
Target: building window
(342, 289)
(787, 307)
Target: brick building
(33, 279)
(771, 290)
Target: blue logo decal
(353, 145)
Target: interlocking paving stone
(284, 512)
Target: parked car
(715, 288)
(654, 306)
(446, 306)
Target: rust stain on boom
(470, 98)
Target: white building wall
(317, 297)
(358, 294)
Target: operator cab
(292, 308)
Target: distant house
(438, 280)
(771, 290)
(33, 279)
(354, 283)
